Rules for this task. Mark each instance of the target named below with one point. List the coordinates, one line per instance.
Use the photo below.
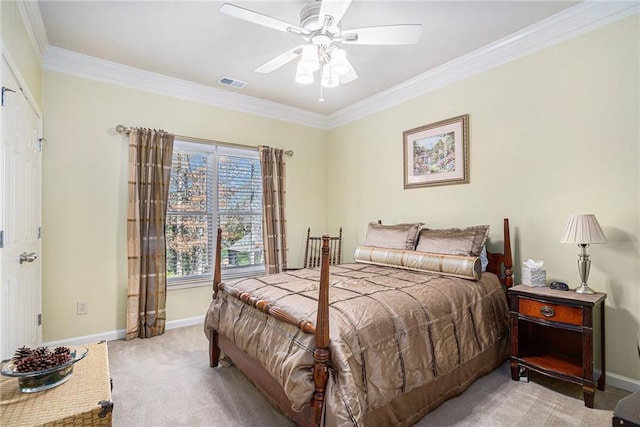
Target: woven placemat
(76, 402)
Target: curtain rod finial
(122, 129)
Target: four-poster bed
(347, 370)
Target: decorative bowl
(31, 382)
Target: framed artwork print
(437, 154)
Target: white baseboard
(181, 323)
(622, 382)
(121, 333)
(615, 380)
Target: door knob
(25, 257)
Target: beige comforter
(391, 330)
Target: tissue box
(535, 277)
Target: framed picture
(437, 154)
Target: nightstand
(559, 334)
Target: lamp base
(584, 289)
(584, 265)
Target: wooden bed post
(217, 277)
(321, 353)
(214, 350)
(508, 260)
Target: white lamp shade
(303, 76)
(329, 79)
(339, 62)
(583, 229)
(309, 61)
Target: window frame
(214, 150)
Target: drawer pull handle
(547, 311)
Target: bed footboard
(320, 330)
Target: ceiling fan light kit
(309, 61)
(339, 62)
(303, 76)
(329, 79)
(320, 28)
(334, 66)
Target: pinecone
(40, 352)
(21, 353)
(43, 363)
(28, 364)
(62, 350)
(60, 358)
(27, 360)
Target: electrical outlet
(82, 307)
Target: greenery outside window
(213, 186)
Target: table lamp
(583, 230)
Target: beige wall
(16, 39)
(551, 134)
(85, 193)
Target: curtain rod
(126, 130)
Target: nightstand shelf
(559, 364)
(559, 334)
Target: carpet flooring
(167, 381)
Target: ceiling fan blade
(350, 75)
(260, 19)
(333, 8)
(384, 35)
(280, 60)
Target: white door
(20, 219)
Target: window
(213, 186)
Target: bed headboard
(498, 260)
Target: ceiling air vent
(231, 82)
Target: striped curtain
(150, 154)
(273, 208)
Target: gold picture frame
(437, 153)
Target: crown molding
(572, 22)
(34, 25)
(73, 63)
(582, 18)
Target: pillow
(453, 241)
(466, 267)
(398, 236)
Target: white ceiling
(193, 41)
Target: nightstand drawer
(551, 312)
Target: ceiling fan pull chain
(321, 99)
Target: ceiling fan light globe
(310, 66)
(303, 77)
(338, 63)
(309, 62)
(329, 79)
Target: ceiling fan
(320, 28)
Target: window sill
(189, 284)
(186, 284)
